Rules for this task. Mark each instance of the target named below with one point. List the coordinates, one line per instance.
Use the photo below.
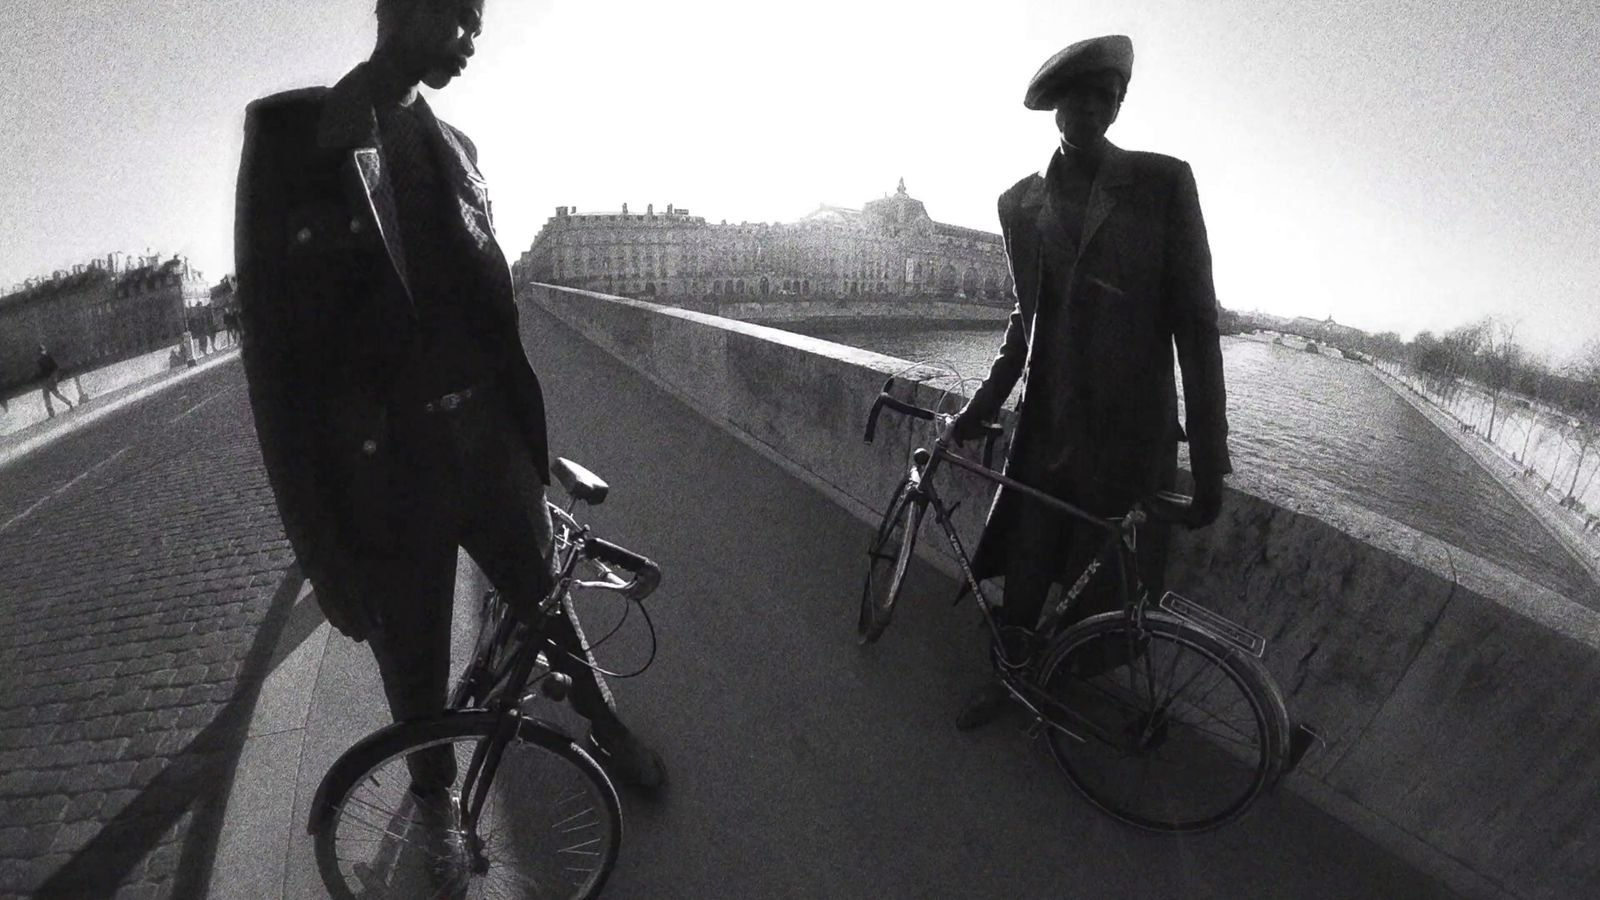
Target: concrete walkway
(140, 564)
(801, 764)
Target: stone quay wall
(1455, 697)
(848, 311)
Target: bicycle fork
(486, 762)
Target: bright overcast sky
(1398, 164)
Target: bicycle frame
(1118, 545)
(504, 688)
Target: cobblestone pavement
(143, 580)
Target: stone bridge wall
(844, 311)
(1457, 699)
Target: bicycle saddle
(580, 482)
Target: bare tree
(1431, 360)
(1582, 431)
(1528, 380)
(1498, 357)
(1452, 357)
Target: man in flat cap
(398, 416)
(1109, 256)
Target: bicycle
(533, 814)
(1173, 698)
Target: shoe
(629, 759)
(438, 815)
(984, 704)
(438, 809)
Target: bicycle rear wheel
(1191, 729)
(550, 826)
(888, 558)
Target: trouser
(53, 386)
(1045, 547)
(475, 488)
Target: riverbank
(1562, 525)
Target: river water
(1322, 425)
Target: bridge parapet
(1455, 696)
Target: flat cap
(1113, 52)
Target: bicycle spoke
(1203, 709)
(1218, 675)
(380, 829)
(1184, 741)
(1239, 736)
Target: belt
(453, 401)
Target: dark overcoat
(328, 315)
(1140, 285)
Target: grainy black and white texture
(143, 575)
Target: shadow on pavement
(196, 782)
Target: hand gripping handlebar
(991, 430)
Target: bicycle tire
(888, 559)
(1153, 688)
(561, 809)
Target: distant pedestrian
(230, 323)
(50, 381)
(197, 330)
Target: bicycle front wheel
(1181, 731)
(550, 825)
(888, 558)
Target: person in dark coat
(50, 381)
(398, 415)
(1112, 269)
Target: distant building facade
(889, 248)
(97, 313)
(1327, 331)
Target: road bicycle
(1161, 714)
(531, 813)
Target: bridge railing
(1455, 696)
